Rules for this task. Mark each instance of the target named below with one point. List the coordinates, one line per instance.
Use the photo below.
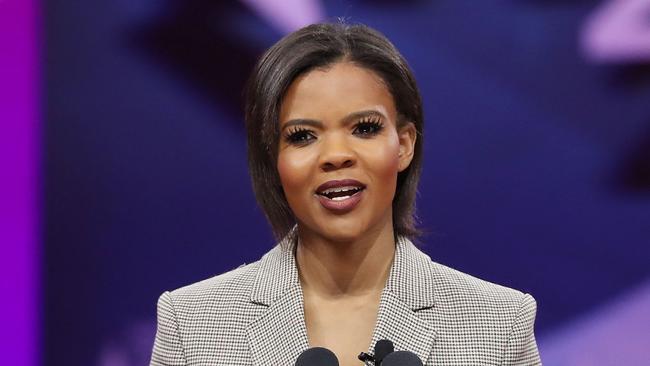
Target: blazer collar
(278, 272)
(409, 290)
(410, 279)
(279, 335)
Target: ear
(407, 135)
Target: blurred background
(124, 173)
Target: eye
(368, 127)
(299, 136)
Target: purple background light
(19, 140)
(615, 334)
(618, 31)
(288, 15)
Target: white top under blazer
(254, 315)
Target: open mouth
(340, 193)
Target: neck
(334, 269)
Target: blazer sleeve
(521, 348)
(167, 348)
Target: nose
(336, 154)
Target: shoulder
(447, 286)
(454, 285)
(231, 291)
(207, 319)
(225, 288)
(475, 301)
(471, 313)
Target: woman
(334, 123)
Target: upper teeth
(339, 189)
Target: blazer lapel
(409, 289)
(279, 335)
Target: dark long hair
(317, 46)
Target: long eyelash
(373, 121)
(290, 136)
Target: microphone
(402, 358)
(317, 356)
(382, 348)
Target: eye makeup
(298, 135)
(366, 127)
(369, 126)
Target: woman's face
(338, 132)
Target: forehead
(336, 91)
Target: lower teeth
(339, 198)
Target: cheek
(386, 161)
(293, 170)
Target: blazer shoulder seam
(218, 281)
(522, 305)
(450, 277)
(177, 325)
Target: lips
(340, 196)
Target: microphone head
(317, 356)
(402, 358)
(382, 348)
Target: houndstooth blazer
(253, 315)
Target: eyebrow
(347, 119)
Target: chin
(341, 236)
(346, 228)
(342, 232)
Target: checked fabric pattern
(253, 315)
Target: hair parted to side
(317, 46)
